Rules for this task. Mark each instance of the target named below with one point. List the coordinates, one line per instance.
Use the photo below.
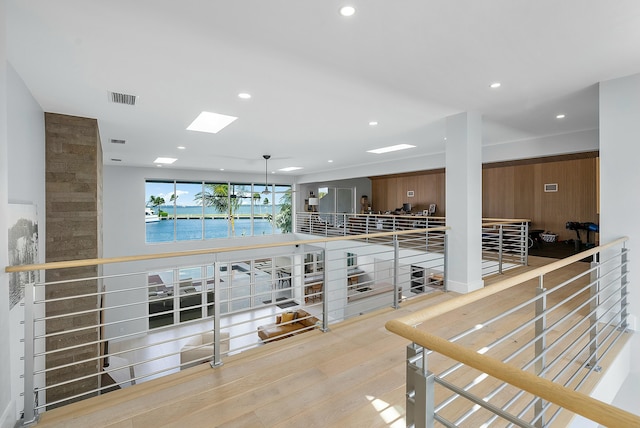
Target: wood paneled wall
(518, 192)
(390, 192)
(509, 190)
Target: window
(183, 211)
(180, 295)
(352, 259)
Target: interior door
(344, 201)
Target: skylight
(347, 10)
(210, 122)
(290, 168)
(391, 148)
(166, 161)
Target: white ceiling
(317, 78)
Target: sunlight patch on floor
(389, 414)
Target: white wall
(26, 169)
(620, 177)
(7, 409)
(619, 202)
(25, 131)
(361, 185)
(576, 142)
(619, 172)
(21, 181)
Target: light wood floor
(352, 376)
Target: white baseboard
(609, 385)
(462, 287)
(8, 418)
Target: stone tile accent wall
(74, 231)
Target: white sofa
(199, 348)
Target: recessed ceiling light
(221, 169)
(166, 161)
(391, 148)
(347, 10)
(210, 122)
(445, 138)
(244, 95)
(330, 161)
(560, 116)
(290, 168)
(181, 147)
(373, 123)
(495, 85)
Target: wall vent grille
(114, 141)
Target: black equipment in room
(577, 226)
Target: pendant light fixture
(266, 190)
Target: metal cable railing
(95, 325)
(504, 245)
(504, 241)
(555, 334)
(142, 318)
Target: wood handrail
(358, 215)
(500, 222)
(567, 398)
(507, 220)
(189, 253)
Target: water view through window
(182, 211)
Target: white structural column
(7, 405)
(619, 205)
(620, 175)
(464, 201)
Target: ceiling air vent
(119, 98)
(116, 160)
(113, 141)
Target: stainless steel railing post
(325, 295)
(525, 243)
(344, 224)
(420, 386)
(623, 287)
(366, 226)
(217, 355)
(396, 272)
(593, 311)
(445, 268)
(30, 414)
(426, 235)
(540, 345)
(500, 244)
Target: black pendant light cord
(266, 185)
